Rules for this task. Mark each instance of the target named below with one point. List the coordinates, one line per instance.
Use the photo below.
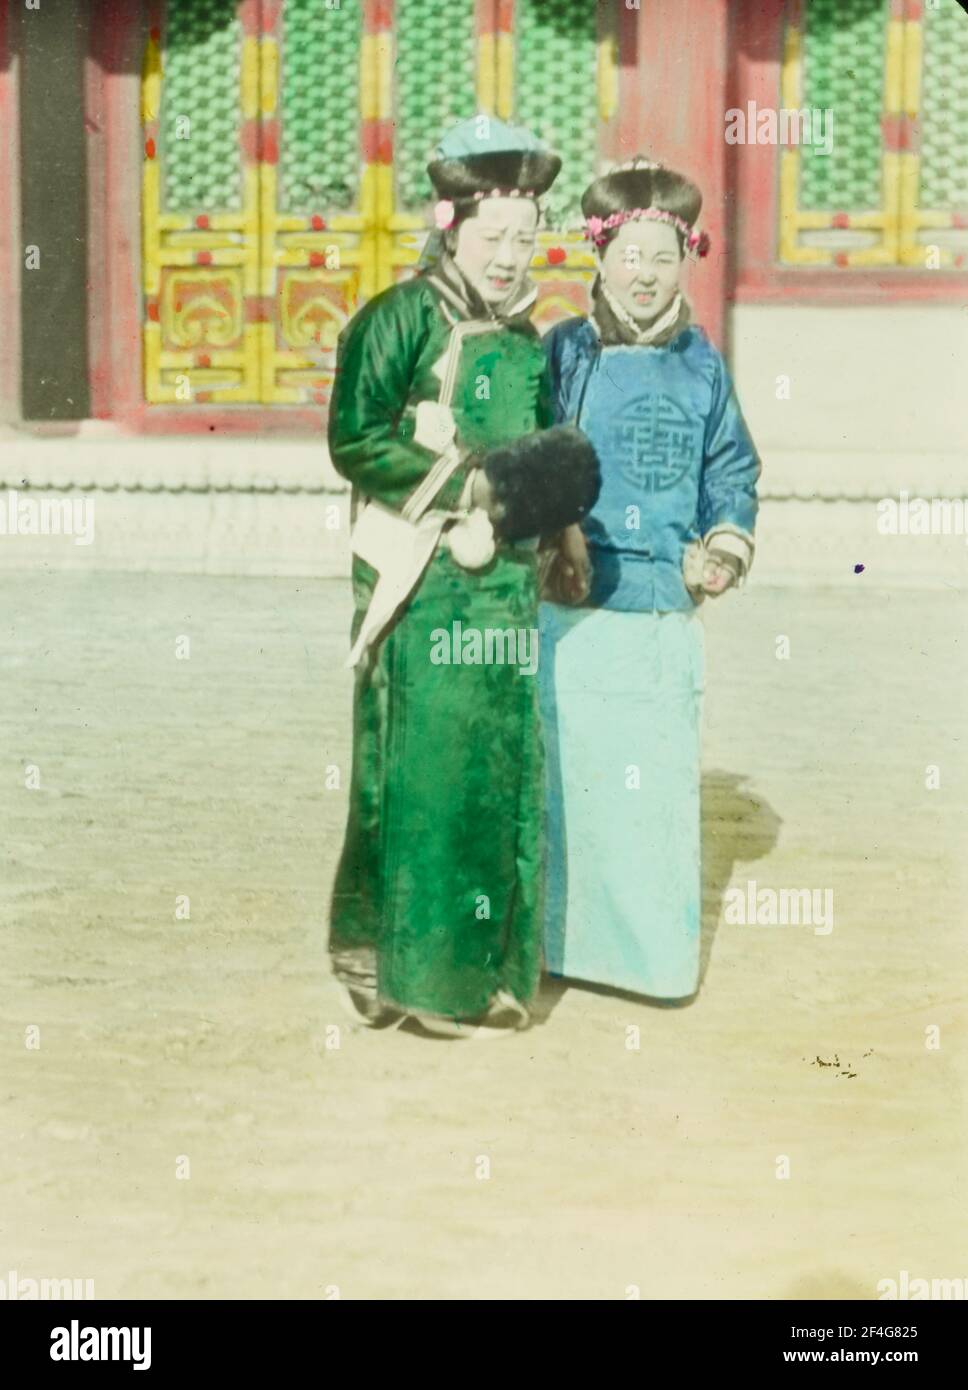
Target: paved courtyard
(200, 1120)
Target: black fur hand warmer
(542, 482)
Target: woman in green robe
(437, 904)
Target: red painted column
(114, 210)
(676, 99)
(628, 25)
(755, 168)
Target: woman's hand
(565, 567)
(720, 572)
(576, 566)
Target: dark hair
(624, 189)
(458, 179)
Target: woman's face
(641, 268)
(494, 249)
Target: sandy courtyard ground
(562, 1163)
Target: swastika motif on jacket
(655, 442)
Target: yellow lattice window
(259, 231)
(874, 166)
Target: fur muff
(542, 482)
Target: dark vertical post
(52, 45)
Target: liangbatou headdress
(654, 193)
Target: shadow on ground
(737, 827)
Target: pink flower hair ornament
(697, 243)
(443, 214)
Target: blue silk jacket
(678, 463)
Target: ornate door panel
(255, 216)
(285, 148)
(445, 69)
(933, 193)
(320, 68)
(888, 184)
(559, 69)
(200, 203)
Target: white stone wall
(878, 397)
(878, 403)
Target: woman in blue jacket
(622, 674)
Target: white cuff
(732, 540)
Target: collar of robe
(617, 327)
(464, 299)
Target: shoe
(440, 1027)
(367, 1009)
(504, 1016)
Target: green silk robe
(441, 873)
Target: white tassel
(471, 540)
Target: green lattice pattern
(320, 159)
(436, 86)
(944, 108)
(556, 68)
(844, 58)
(202, 59)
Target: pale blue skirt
(621, 700)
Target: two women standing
(439, 908)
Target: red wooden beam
(860, 286)
(112, 98)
